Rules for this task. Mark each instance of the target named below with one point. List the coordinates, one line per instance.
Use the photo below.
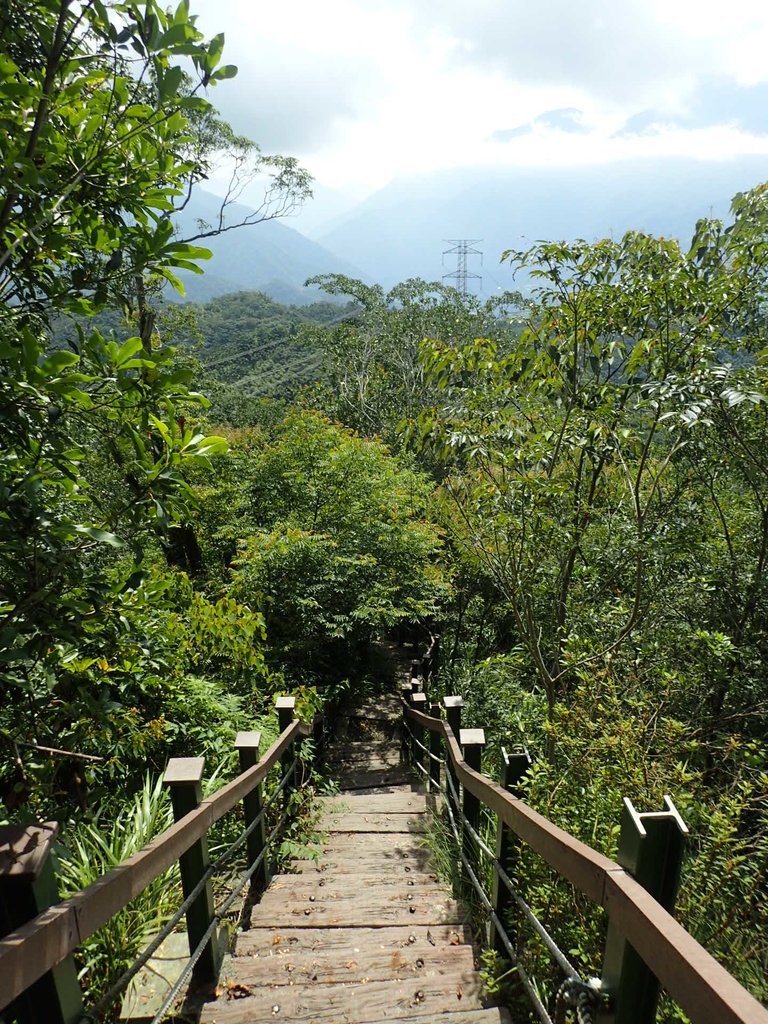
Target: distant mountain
(269, 257)
(401, 231)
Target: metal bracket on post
(183, 777)
(27, 888)
(651, 850)
(472, 742)
(419, 703)
(247, 746)
(514, 767)
(285, 715)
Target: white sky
(363, 91)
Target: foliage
(374, 378)
(95, 848)
(340, 547)
(105, 131)
(566, 456)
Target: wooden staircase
(367, 933)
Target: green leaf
(103, 536)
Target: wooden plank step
(341, 908)
(416, 824)
(325, 884)
(368, 755)
(359, 778)
(379, 851)
(361, 1003)
(402, 801)
(285, 966)
(493, 1015)
(419, 939)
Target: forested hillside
(570, 486)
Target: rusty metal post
(247, 745)
(472, 743)
(514, 767)
(183, 777)
(434, 750)
(651, 850)
(27, 888)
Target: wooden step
(419, 939)
(377, 852)
(372, 776)
(373, 823)
(365, 1002)
(355, 753)
(398, 801)
(285, 966)
(337, 907)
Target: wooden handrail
(28, 953)
(692, 977)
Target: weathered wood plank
(285, 966)
(361, 1003)
(377, 852)
(359, 778)
(382, 906)
(363, 822)
(493, 1015)
(325, 884)
(366, 759)
(418, 938)
(395, 802)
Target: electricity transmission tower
(462, 247)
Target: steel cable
(148, 952)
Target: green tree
(101, 108)
(375, 379)
(335, 544)
(566, 453)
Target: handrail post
(453, 705)
(434, 749)
(472, 742)
(651, 850)
(27, 888)
(419, 703)
(405, 696)
(286, 707)
(514, 767)
(183, 777)
(247, 746)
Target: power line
(462, 248)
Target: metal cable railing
(540, 1009)
(572, 976)
(218, 917)
(103, 1004)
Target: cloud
(716, 101)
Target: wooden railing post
(453, 706)
(247, 746)
(183, 777)
(472, 742)
(514, 767)
(434, 749)
(27, 888)
(651, 850)
(286, 707)
(419, 703)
